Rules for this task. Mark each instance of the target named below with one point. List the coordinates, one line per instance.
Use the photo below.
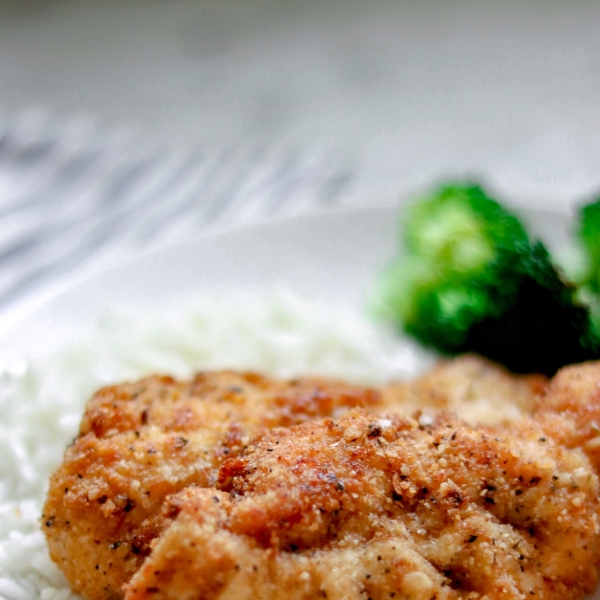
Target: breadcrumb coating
(234, 485)
(372, 507)
(140, 442)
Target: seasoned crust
(474, 388)
(147, 449)
(570, 409)
(140, 442)
(383, 507)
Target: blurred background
(128, 123)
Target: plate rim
(14, 315)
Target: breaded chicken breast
(140, 442)
(372, 507)
(138, 485)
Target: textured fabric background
(71, 196)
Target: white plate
(330, 256)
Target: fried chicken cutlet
(384, 507)
(140, 442)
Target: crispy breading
(570, 409)
(142, 441)
(138, 486)
(474, 388)
(382, 507)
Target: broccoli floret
(469, 280)
(590, 237)
(587, 270)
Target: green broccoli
(590, 236)
(586, 271)
(469, 280)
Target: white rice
(42, 398)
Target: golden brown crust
(142, 441)
(570, 409)
(380, 507)
(152, 456)
(474, 388)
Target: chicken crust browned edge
(141, 442)
(382, 507)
